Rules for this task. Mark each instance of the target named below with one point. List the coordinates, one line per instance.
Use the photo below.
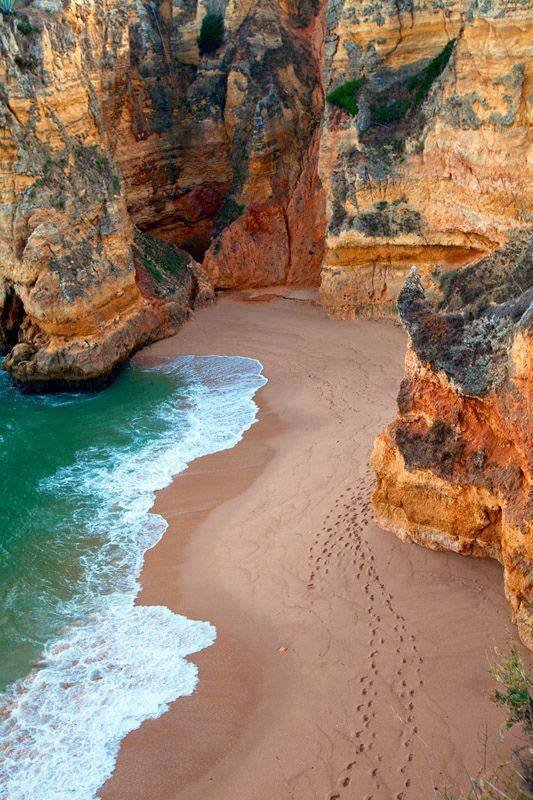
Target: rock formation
(110, 118)
(423, 159)
(454, 470)
(425, 142)
(134, 148)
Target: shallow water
(80, 665)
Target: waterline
(117, 664)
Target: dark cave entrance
(194, 218)
(11, 319)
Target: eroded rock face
(65, 233)
(217, 149)
(112, 120)
(270, 228)
(430, 169)
(454, 469)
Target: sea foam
(121, 663)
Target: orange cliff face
(270, 229)
(219, 151)
(111, 119)
(431, 169)
(72, 310)
(424, 160)
(428, 168)
(454, 469)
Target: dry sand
(347, 665)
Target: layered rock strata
(454, 470)
(426, 164)
(110, 118)
(220, 151)
(85, 353)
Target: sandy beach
(347, 665)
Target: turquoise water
(80, 664)
(45, 539)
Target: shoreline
(162, 584)
(326, 679)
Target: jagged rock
(20, 353)
(430, 170)
(454, 469)
(111, 119)
(273, 231)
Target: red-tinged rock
(454, 470)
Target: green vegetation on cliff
(160, 259)
(414, 93)
(25, 28)
(390, 108)
(345, 96)
(423, 81)
(514, 779)
(383, 115)
(211, 34)
(516, 692)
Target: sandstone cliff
(111, 118)
(219, 151)
(454, 470)
(130, 153)
(426, 164)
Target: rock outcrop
(220, 151)
(111, 118)
(454, 470)
(132, 151)
(270, 227)
(425, 142)
(66, 259)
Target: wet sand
(347, 665)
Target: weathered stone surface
(272, 112)
(111, 119)
(86, 353)
(454, 469)
(427, 173)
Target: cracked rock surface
(454, 469)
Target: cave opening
(192, 220)
(11, 319)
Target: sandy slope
(347, 665)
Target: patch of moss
(152, 268)
(384, 115)
(25, 28)
(159, 264)
(172, 263)
(345, 96)
(160, 259)
(421, 83)
(414, 93)
(211, 34)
